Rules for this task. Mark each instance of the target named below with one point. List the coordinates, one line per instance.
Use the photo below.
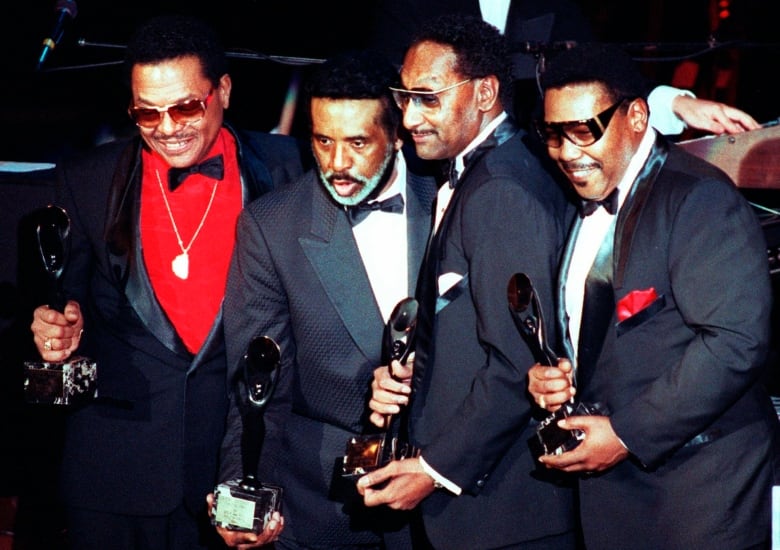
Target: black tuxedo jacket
(681, 377)
(298, 277)
(470, 413)
(152, 438)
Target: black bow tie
(358, 213)
(452, 174)
(212, 168)
(610, 204)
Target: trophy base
(550, 439)
(238, 507)
(62, 383)
(366, 453)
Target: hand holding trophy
(246, 504)
(74, 379)
(369, 452)
(528, 316)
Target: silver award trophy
(368, 452)
(75, 379)
(527, 313)
(246, 504)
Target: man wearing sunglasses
(153, 223)
(664, 303)
(501, 213)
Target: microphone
(537, 48)
(66, 11)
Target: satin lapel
(420, 192)
(334, 255)
(503, 132)
(123, 249)
(562, 318)
(632, 208)
(141, 296)
(213, 343)
(426, 294)
(598, 307)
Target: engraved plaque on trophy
(246, 504)
(368, 452)
(528, 316)
(75, 379)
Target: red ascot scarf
(191, 302)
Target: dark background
(78, 98)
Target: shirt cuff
(439, 481)
(662, 116)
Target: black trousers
(179, 530)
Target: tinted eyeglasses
(581, 133)
(186, 112)
(425, 100)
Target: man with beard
(319, 270)
(153, 224)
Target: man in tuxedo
(500, 213)
(152, 227)
(319, 266)
(664, 301)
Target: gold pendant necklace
(181, 263)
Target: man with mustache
(319, 266)
(153, 223)
(501, 213)
(664, 303)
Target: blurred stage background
(722, 49)
(64, 107)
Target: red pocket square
(634, 302)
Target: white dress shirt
(382, 242)
(444, 195)
(592, 232)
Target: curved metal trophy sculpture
(528, 316)
(246, 504)
(369, 452)
(75, 379)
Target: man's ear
(638, 114)
(224, 89)
(487, 92)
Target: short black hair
(601, 62)
(357, 74)
(168, 37)
(480, 48)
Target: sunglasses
(427, 101)
(581, 133)
(186, 112)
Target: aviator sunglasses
(186, 112)
(581, 133)
(425, 100)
